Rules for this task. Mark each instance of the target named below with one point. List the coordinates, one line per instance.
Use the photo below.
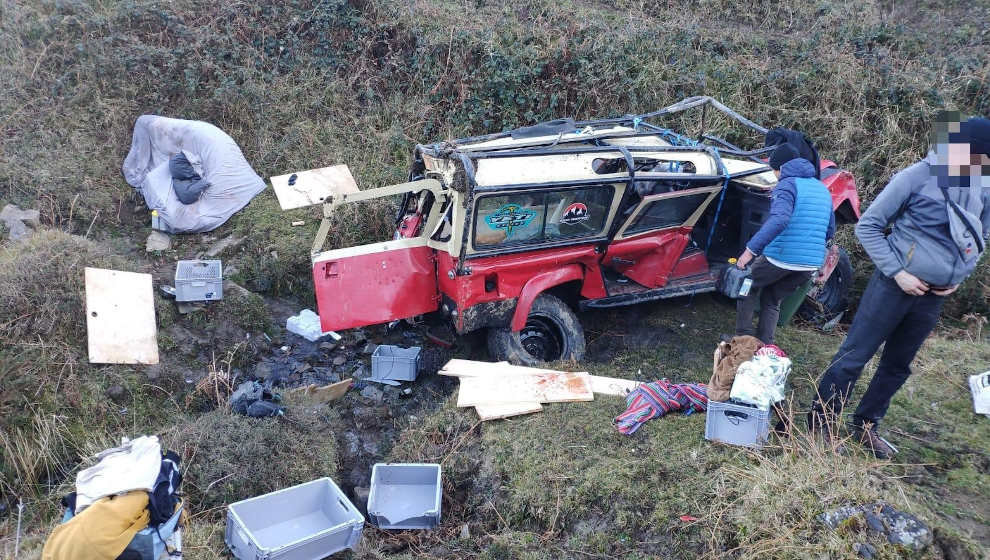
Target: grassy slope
(306, 83)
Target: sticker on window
(510, 217)
(575, 213)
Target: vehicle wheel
(827, 301)
(552, 333)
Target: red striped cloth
(653, 400)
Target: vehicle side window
(666, 212)
(535, 217)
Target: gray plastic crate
(405, 495)
(395, 362)
(304, 522)
(198, 281)
(737, 424)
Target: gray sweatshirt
(920, 241)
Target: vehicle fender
(539, 284)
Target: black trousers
(885, 314)
(771, 284)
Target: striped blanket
(653, 400)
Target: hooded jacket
(801, 218)
(920, 240)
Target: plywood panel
(120, 317)
(313, 186)
(543, 388)
(612, 385)
(506, 410)
(470, 368)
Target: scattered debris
(197, 280)
(158, 241)
(900, 528)
(167, 291)
(255, 400)
(120, 317)
(688, 518)
(316, 394)
(980, 386)
(220, 246)
(186, 308)
(19, 223)
(501, 390)
(612, 386)
(307, 325)
(306, 188)
(298, 223)
(372, 394)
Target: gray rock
(186, 307)
(865, 550)
(370, 447)
(328, 346)
(352, 443)
(154, 371)
(370, 348)
(223, 244)
(340, 360)
(899, 527)
(19, 223)
(158, 241)
(117, 394)
(262, 370)
(465, 532)
(373, 394)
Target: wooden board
(313, 186)
(543, 388)
(505, 410)
(120, 317)
(316, 394)
(470, 368)
(612, 385)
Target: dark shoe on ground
(866, 434)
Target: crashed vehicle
(517, 232)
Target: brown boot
(866, 434)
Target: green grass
(307, 83)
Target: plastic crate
(198, 281)
(737, 424)
(304, 522)
(405, 496)
(395, 362)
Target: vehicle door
(647, 246)
(378, 282)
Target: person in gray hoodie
(938, 212)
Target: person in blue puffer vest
(790, 246)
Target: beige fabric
(728, 356)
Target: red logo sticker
(575, 213)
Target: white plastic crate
(405, 495)
(305, 522)
(198, 280)
(737, 424)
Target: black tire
(827, 301)
(552, 333)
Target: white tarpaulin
(214, 155)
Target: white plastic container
(198, 280)
(405, 495)
(737, 424)
(395, 363)
(305, 522)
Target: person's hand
(911, 284)
(744, 258)
(946, 291)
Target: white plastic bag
(980, 385)
(761, 380)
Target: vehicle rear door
(376, 283)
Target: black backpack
(165, 495)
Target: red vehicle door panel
(376, 283)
